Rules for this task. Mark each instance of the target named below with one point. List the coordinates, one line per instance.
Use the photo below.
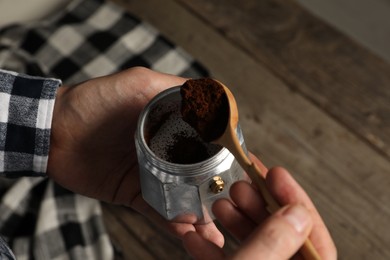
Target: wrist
(57, 108)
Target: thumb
(280, 237)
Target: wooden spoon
(221, 103)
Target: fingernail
(298, 217)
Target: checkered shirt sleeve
(26, 108)
(87, 39)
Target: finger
(249, 201)
(176, 229)
(287, 191)
(259, 163)
(200, 248)
(280, 237)
(231, 218)
(151, 79)
(209, 231)
(168, 80)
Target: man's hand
(92, 150)
(278, 236)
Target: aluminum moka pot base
(181, 192)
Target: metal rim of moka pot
(208, 179)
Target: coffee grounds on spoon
(205, 107)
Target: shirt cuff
(26, 111)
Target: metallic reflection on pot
(181, 176)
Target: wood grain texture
(321, 63)
(285, 120)
(138, 238)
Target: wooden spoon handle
(257, 178)
(307, 250)
(231, 142)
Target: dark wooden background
(310, 99)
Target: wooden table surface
(310, 99)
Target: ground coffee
(174, 140)
(205, 107)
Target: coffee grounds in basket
(205, 107)
(187, 150)
(174, 140)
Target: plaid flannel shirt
(5, 251)
(38, 218)
(26, 108)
